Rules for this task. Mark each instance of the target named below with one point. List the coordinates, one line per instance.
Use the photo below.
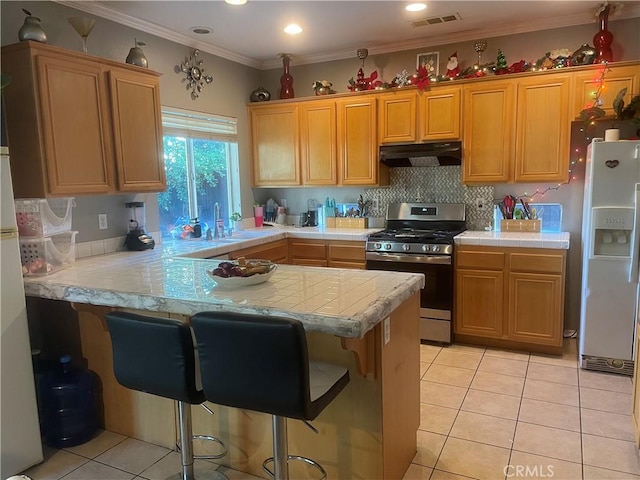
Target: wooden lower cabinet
(327, 253)
(510, 297)
(308, 252)
(274, 251)
(346, 254)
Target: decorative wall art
(195, 77)
(429, 61)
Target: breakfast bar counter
(364, 320)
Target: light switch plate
(102, 221)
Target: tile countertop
(341, 302)
(514, 239)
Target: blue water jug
(68, 414)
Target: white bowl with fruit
(242, 272)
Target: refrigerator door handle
(635, 242)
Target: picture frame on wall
(431, 61)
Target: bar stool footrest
(208, 438)
(298, 458)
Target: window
(201, 162)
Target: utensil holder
(520, 225)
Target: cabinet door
(439, 116)
(307, 252)
(276, 252)
(397, 117)
(535, 308)
(137, 131)
(489, 122)
(346, 254)
(357, 143)
(274, 138)
(543, 129)
(76, 126)
(479, 303)
(586, 85)
(318, 142)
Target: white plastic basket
(44, 255)
(42, 217)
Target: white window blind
(186, 123)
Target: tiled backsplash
(435, 184)
(108, 245)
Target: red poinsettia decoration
(519, 67)
(364, 83)
(421, 79)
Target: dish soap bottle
(197, 229)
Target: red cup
(257, 215)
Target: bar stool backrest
(154, 355)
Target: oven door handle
(392, 257)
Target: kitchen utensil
(509, 205)
(526, 209)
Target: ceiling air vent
(436, 20)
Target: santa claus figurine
(453, 69)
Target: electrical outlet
(482, 204)
(102, 221)
(375, 203)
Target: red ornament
(603, 39)
(453, 67)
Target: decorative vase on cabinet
(31, 29)
(286, 80)
(602, 40)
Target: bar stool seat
(261, 363)
(157, 356)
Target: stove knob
(387, 246)
(425, 248)
(406, 247)
(377, 246)
(435, 248)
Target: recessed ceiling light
(236, 2)
(415, 7)
(201, 30)
(293, 29)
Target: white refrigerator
(20, 443)
(610, 243)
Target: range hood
(421, 154)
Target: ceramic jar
(31, 30)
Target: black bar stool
(261, 363)
(157, 356)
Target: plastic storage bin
(41, 217)
(68, 413)
(47, 254)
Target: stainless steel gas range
(418, 238)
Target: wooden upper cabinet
(357, 143)
(543, 129)
(137, 130)
(489, 123)
(616, 78)
(275, 145)
(65, 135)
(318, 143)
(397, 117)
(439, 114)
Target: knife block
(520, 225)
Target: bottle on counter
(197, 229)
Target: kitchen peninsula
(365, 320)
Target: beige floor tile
(429, 446)
(484, 429)
(606, 424)
(551, 392)
(611, 454)
(428, 353)
(553, 373)
(436, 419)
(440, 394)
(473, 459)
(605, 381)
(461, 347)
(548, 442)
(171, 464)
(614, 402)
(596, 473)
(440, 475)
(494, 382)
(526, 465)
(102, 442)
(550, 414)
(132, 455)
(97, 471)
(459, 358)
(460, 377)
(56, 464)
(417, 472)
(508, 354)
(236, 475)
(569, 358)
(503, 366)
(424, 366)
(489, 403)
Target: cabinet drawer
(308, 249)
(534, 262)
(273, 251)
(346, 251)
(480, 259)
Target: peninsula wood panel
(542, 135)
(397, 117)
(357, 142)
(318, 143)
(137, 129)
(439, 114)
